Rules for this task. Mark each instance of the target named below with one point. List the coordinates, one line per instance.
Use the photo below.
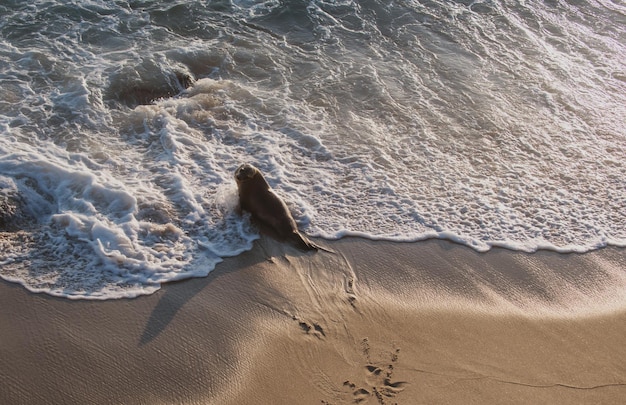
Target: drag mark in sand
(547, 386)
(456, 380)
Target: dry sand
(375, 323)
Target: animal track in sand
(379, 384)
(350, 292)
(310, 328)
(359, 394)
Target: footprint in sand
(310, 328)
(359, 394)
(379, 381)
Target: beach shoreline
(374, 323)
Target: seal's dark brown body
(267, 209)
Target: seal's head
(245, 172)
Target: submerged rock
(8, 211)
(143, 84)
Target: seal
(268, 210)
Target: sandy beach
(374, 323)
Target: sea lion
(268, 210)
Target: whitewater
(491, 124)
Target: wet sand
(375, 323)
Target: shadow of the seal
(177, 294)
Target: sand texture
(373, 323)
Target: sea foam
(490, 125)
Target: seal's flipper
(303, 243)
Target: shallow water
(487, 123)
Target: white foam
(422, 123)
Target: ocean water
(122, 122)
